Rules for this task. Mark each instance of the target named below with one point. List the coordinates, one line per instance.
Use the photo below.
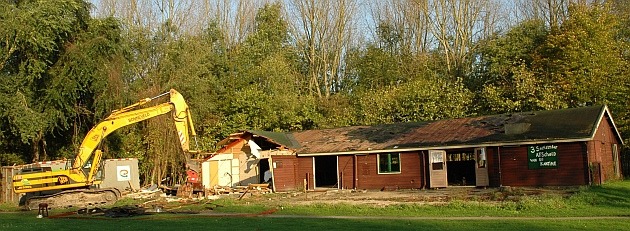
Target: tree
(551, 12)
(34, 36)
(323, 32)
(431, 98)
(406, 22)
(507, 79)
(533, 67)
(267, 94)
(457, 25)
(583, 58)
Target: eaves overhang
(446, 147)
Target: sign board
(123, 172)
(542, 156)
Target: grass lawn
(9, 222)
(611, 199)
(604, 207)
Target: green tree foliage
(430, 98)
(376, 68)
(534, 68)
(395, 85)
(620, 106)
(87, 79)
(266, 94)
(583, 58)
(508, 79)
(35, 36)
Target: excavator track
(79, 198)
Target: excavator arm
(89, 149)
(130, 115)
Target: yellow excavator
(77, 186)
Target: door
(437, 169)
(481, 167)
(219, 169)
(325, 169)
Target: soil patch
(402, 196)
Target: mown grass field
(11, 222)
(604, 207)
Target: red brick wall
(571, 169)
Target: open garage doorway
(460, 165)
(263, 166)
(325, 171)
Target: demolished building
(578, 146)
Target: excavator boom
(82, 173)
(130, 115)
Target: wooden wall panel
(6, 185)
(410, 176)
(346, 172)
(305, 168)
(601, 152)
(284, 172)
(493, 166)
(571, 167)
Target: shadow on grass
(612, 195)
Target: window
(389, 163)
(437, 160)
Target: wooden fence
(6, 185)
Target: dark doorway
(326, 171)
(263, 166)
(460, 168)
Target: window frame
(378, 163)
(433, 160)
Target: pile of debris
(184, 192)
(253, 189)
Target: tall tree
(34, 35)
(507, 79)
(323, 31)
(268, 96)
(407, 20)
(551, 12)
(535, 67)
(584, 57)
(457, 25)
